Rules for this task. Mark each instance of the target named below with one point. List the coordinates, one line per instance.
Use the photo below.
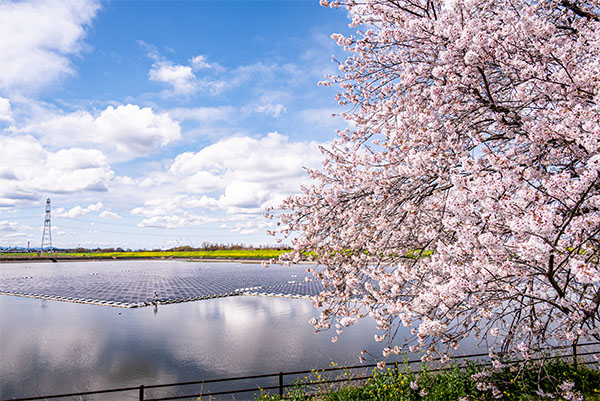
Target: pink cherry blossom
(465, 200)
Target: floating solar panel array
(139, 283)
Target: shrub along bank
(552, 380)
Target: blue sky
(153, 124)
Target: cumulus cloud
(108, 214)
(268, 159)
(136, 130)
(171, 213)
(29, 170)
(5, 110)
(126, 129)
(76, 159)
(239, 175)
(199, 62)
(183, 81)
(245, 195)
(78, 211)
(36, 39)
(180, 77)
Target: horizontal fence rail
(141, 390)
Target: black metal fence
(141, 392)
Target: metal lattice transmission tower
(47, 234)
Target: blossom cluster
(465, 202)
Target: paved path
(138, 283)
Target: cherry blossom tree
(465, 201)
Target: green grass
(216, 254)
(511, 383)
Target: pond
(82, 326)
(53, 347)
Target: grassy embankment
(554, 380)
(225, 254)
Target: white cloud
(199, 63)
(78, 211)
(252, 227)
(95, 207)
(268, 74)
(76, 159)
(164, 222)
(187, 80)
(8, 225)
(243, 194)
(29, 170)
(203, 181)
(170, 213)
(15, 235)
(215, 87)
(203, 114)
(5, 112)
(127, 129)
(125, 180)
(36, 39)
(267, 159)
(136, 130)
(180, 77)
(274, 110)
(240, 176)
(107, 214)
(163, 206)
(175, 221)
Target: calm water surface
(52, 347)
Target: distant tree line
(205, 246)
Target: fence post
(142, 392)
(281, 383)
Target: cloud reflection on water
(50, 347)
